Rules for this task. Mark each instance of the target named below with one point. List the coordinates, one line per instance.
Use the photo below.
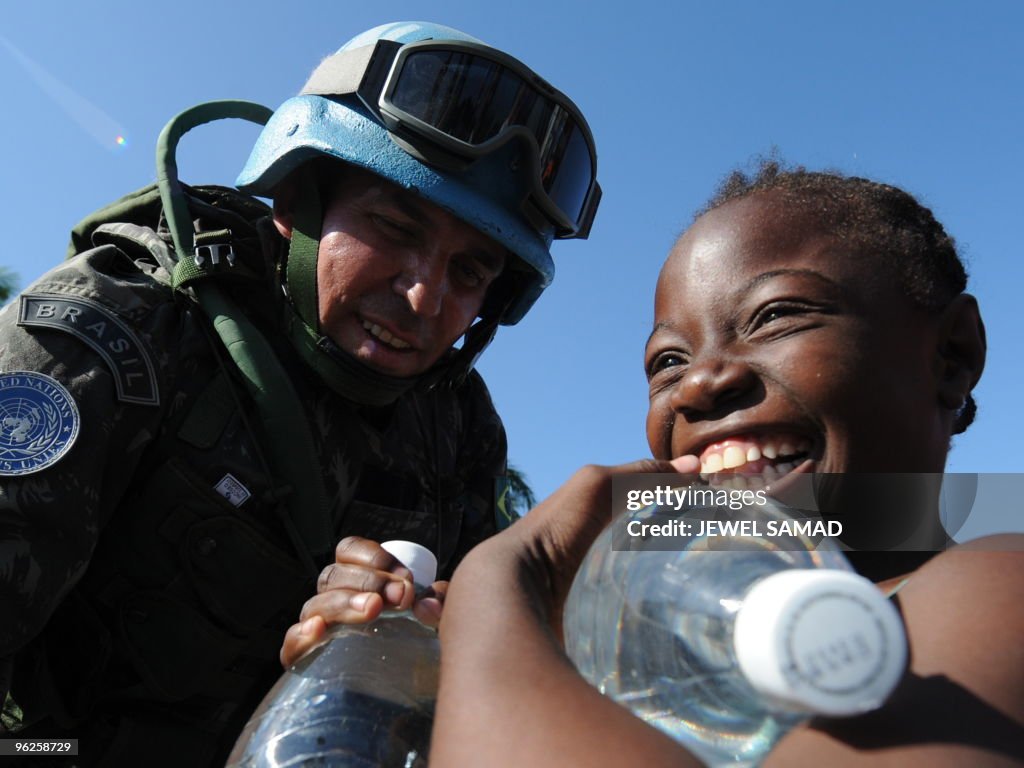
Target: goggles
(452, 102)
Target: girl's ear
(961, 350)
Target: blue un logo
(38, 422)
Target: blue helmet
(482, 179)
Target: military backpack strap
(269, 385)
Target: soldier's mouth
(385, 336)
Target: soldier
(184, 438)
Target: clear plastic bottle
(726, 642)
(364, 697)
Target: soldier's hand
(363, 580)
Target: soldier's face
(398, 279)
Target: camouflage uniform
(147, 576)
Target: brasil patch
(38, 422)
(101, 329)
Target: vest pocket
(203, 594)
(173, 647)
(239, 576)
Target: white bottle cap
(416, 558)
(820, 641)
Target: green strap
(290, 444)
(341, 372)
(307, 220)
(175, 203)
(290, 441)
(185, 272)
(210, 414)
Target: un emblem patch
(38, 422)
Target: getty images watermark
(672, 514)
(879, 512)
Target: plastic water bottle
(728, 641)
(364, 697)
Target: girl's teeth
(734, 457)
(712, 464)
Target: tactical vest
(170, 639)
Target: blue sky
(926, 95)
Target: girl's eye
(774, 312)
(664, 361)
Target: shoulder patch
(102, 330)
(38, 422)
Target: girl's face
(778, 348)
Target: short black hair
(879, 217)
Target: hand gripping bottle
(364, 697)
(728, 641)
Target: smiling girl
(805, 323)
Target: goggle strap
(346, 72)
(589, 211)
(454, 371)
(340, 74)
(478, 337)
(307, 220)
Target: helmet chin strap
(339, 370)
(342, 372)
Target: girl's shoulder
(962, 700)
